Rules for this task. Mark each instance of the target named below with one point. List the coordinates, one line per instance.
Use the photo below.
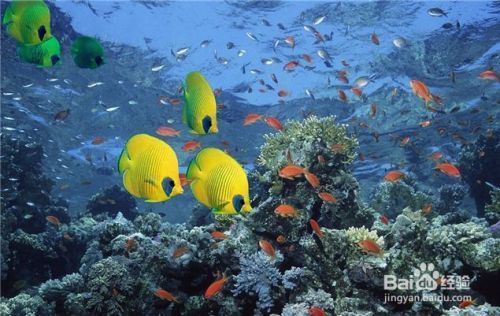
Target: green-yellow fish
(28, 21)
(87, 52)
(46, 54)
(219, 182)
(150, 169)
(200, 110)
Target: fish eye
(238, 203)
(168, 185)
(41, 32)
(207, 123)
(99, 61)
(54, 59)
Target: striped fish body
(46, 54)
(28, 21)
(200, 110)
(219, 182)
(150, 169)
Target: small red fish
(218, 235)
(291, 171)
(291, 65)
(420, 89)
(281, 239)
(327, 197)
(384, 219)
(184, 180)
(375, 39)
(167, 131)
(174, 101)
(425, 123)
(129, 244)
(394, 175)
(448, 169)
(283, 93)
(466, 303)
(489, 75)
(427, 209)
(373, 110)
(404, 141)
(191, 145)
(370, 247)
(274, 123)
(316, 311)
(316, 228)
(342, 95)
(97, 140)
(62, 115)
(180, 251)
(53, 220)
(343, 79)
(307, 58)
(252, 118)
(357, 91)
(267, 247)
(312, 179)
(215, 287)
(165, 295)
(436, 155)
(290, 40)
(285, 210)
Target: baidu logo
(425, 277)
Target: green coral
(305, 141)
(492, 210)
(26, 305)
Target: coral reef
(479, 166)
(114, 263)
(111, 201)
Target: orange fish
(312, 179)
(404, 141)
(337, 147)
(281, 239)
(425, 123)
(384, 219)
(290, 171)
(191, 145)
(316, 228)
(274, 123)
(343, 79)
(420, 89)
(394, 175)
(489, 75)
(373, 110)
(291, 65)
(466, 303)
(285, 210)
(67, 237)
(371, 247)
(130, 244)
(267, 247)
(53, 220)
(342, 95)
(307, 58)
(252, 118)
(341, 73)
(375, 39)
(179, 251)
(218, 235)
(327, 197)
(97, 140)
(427, 209)
(167, 131)
(290, 40)
(448, 169)
(184, 179)
(357, 91)
(436, 155)
(62, 115)
(316, 311)
(165, 295)
(282, 93)
(174, 102)
(215, 287)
